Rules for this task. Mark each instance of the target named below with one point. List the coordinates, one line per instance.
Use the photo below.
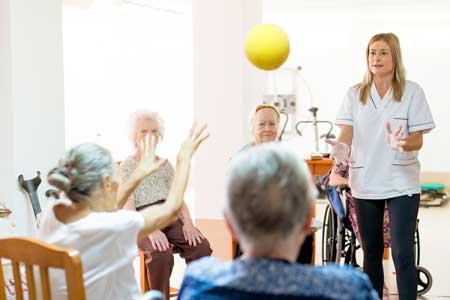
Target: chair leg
(143, 275)
(143, 271)
(386, 253)
(173, 292)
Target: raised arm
(159, 216)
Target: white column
(32, 99)
(6, 135)
(226, 87)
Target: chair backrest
(31, 253)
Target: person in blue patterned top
(269, 196)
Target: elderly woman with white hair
(264, 124)
(268, 209)
(153, 190)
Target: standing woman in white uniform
(382, 122)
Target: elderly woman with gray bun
(92, 221)
(153, 190)
(268, 209)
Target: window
(124, 55)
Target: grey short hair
(80, 171)
(269, 192)
(136, 116)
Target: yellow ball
(267, 46)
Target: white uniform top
(107, 242)
(376, 170)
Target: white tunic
(107, 242)
(376, 170)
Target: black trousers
(304, 256)
(403, 212)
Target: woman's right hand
(159, 241)
(148, 162)
(340, 152)
(190, 145)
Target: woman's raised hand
(148, 163)
(190, 145)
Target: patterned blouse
(153, 188)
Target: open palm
(190, 145)
(148, 162)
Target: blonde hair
(399, 78)
(139, 115)
(258, 108)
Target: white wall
(226, 87)
(6, 166)
(32, 106)
(328, 39)
(133, 64)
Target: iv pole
(315, 123)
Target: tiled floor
(435, 252)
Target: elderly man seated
(269, 196)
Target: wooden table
(317, 167)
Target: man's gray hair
(269, 192)
(139, 115)
(80, 171)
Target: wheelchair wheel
(424, 280)
(329, 236)
(350, 247)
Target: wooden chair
(36, 253)
(143, 274)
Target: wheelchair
(339, 242)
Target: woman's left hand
(395, 139)
(192, 235)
